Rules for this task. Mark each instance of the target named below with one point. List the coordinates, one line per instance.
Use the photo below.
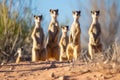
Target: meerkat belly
(38, 37)
(53, 30)
(64, 42)
(73, 30)
(95, 31)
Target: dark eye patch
(56, 11)
(97, 12)
(67, 27)
(79, 12)
(76, 12)
(40, 16)
(36, 17)
(52, 11)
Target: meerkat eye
(36, 17)
(51, 11)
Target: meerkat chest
(74, 28)
(54, 27)
(95, 29)
(39, 33)
(64, 40)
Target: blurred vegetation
(110, 25)
(16, 25)
(15, 28)
(109, 19)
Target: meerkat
(53, 36)
(94, 35)
(73, 49)
(63, 43)
(38, 49)
(19, 52)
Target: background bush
(15, 28)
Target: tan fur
(63, 43)
(38, 50)
(94, 35)
(19, 52)
(53, 36)
(73, 49)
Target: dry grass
(15, 26)
(14, 30)
(109, 20)
(110, 25)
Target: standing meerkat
(94, 35)
(19, 52)
(73, 49)
(53, 36)
(63, 43)
(38, 50)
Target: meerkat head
(38, 19)
(19, 50)
(76, 14)
(65, 29)
(95, 13)
(54, 13)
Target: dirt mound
(59, 71)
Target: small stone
(62, 78)
(52, 75)
(53, 65)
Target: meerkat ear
(79, 12)
(34, 16)
(50, 10)
(73, 12)
(67, 27)
(98, 12)
(41, 16)
(57, 10)
(91, 11)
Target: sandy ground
(59, 71)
